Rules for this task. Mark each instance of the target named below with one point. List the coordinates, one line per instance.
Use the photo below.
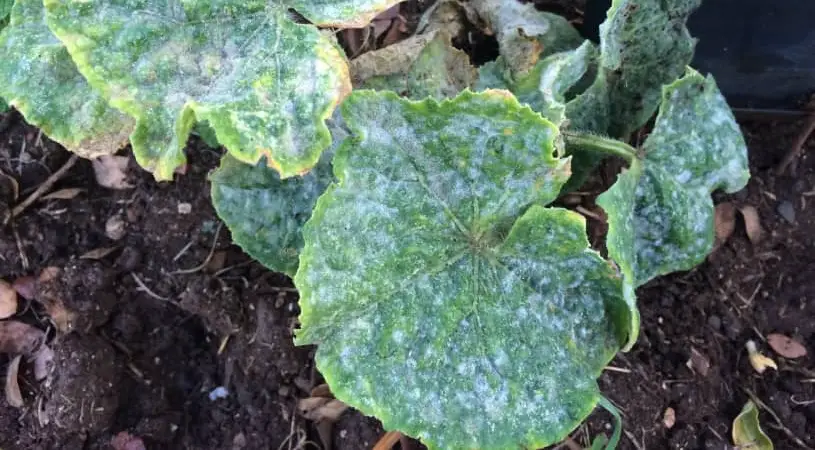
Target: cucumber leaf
(265, 213)
(545, 86)
(660, 212)
(5, 12)
(424, 65)
(265, 83)
(38, 77)
(431, 313)
(525, 34)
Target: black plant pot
(761, 52)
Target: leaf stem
(601, 145)
(618, 422)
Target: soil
(177, 311)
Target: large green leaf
(265, 213)
(644, 45)
(525, 34)
(660, 212)
(445, 300)
(264, 83)
(38, 77)
(545, 86)
(5, 12)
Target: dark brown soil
(146, 362)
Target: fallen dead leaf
(322, 391)
(217, 262)
(13, 395)
(321, 409)
(26, 287)
(698, 362)
(752, 224)
(8, 300)
(725, 221)
(669, 418)
(759, 362)
(99, 253)
(63, 194)
(20, 338)
(43, 363)
(786, 346)
(111, 171)
(126, 441)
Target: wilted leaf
(38, 77)
(660, 213)
(434, 306)
(19, 338)
(752, 224)
(786, 346)
(525, 34)
(759, 362)
(420, 66)
(13, 395)
(111, 171)
(263, 82)
(8, 300)
(545, 86)
(266, 214)
(747, 432)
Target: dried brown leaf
(725, 221)
(26, 287)
(321, 409)
(20, 338)
(752, 224)
(786, 346)
(63, 194)
(669, 418)
(111, 171)
(99, 253)
(8, 300)
(698, 362)
(14, 397)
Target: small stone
(115, 228)
(787, 211)
(184, 208)
(714, 322)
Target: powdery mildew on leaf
(264, 83)
(340, 13)
(39, 78)
(660, 213)
(525, 34)
(435, 307)
(545, 86)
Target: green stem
(601, 145)
(618, 423)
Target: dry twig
(797, 146)
(45, 186)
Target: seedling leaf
(435, 307)
(265, 83)
(660, 213)
(747, 432)
(39, 78)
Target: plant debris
(669, 418)
(752, 224)
(786, 346)
(111, 171)
(759, 362)
(747, 432)
(20, 338)
(8, 300)
(13, 395)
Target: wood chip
(752, 224)
(13, 395)
(111, 171)
(20, 338)
(99, 253)
(669, 418)
(63, 194)
(786, 346)
(8, 300)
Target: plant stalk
(601, 144)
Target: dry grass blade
(13, 395)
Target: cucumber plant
(412, 203)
